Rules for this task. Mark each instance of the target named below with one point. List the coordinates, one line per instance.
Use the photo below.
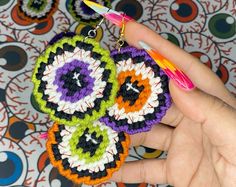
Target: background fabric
(204, 28)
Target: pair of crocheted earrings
(96, 99)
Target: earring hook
(120, 42)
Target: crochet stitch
(143, 96)
(75, 80)
(83, 14)
(87, 153)
(37, 10)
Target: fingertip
(190, 102)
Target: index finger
(201, 75)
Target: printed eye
(5, 5)
(12, 169)
(132, 8)
(83, 29)
(184, 10)
(43, 27)
(14, 56)
(18, 129)
(145, 152)
(222, 26)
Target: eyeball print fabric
(206, 29)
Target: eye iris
(16, 58)
(222, 26)
(130, 91)
(12, 167)
(184, 10)
(89, 142)
(132, 8)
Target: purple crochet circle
(72, 69)
(130, 91)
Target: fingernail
(115, 17)
(170, 69)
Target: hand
(198, 131)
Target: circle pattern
(15, 57)
(143, 95)
(13, 162)
(75, 80)
(222, 26)
(184, 10)
(130, 7)
(87, 153)
(37, 10)
(12, 165)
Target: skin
(198, 131)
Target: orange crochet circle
(74, 177)
(143, 95)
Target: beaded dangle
(143, 96)
(75, 79)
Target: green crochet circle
(42, 61)
(86, 155)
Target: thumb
(217, 118)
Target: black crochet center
(89, 142)
(71, 84)
(130, 91)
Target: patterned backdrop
(204, 28)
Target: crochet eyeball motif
(143, 95)
(75, 80)
(87, 153)
(82, 13)
(37, 10)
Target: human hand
(198, 131)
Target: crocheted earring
(75, 79)
(37, 11)
(143, 96)
(87, 153)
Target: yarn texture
(37, 11)
(87, 153)
(143, 96)
(74, 80)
